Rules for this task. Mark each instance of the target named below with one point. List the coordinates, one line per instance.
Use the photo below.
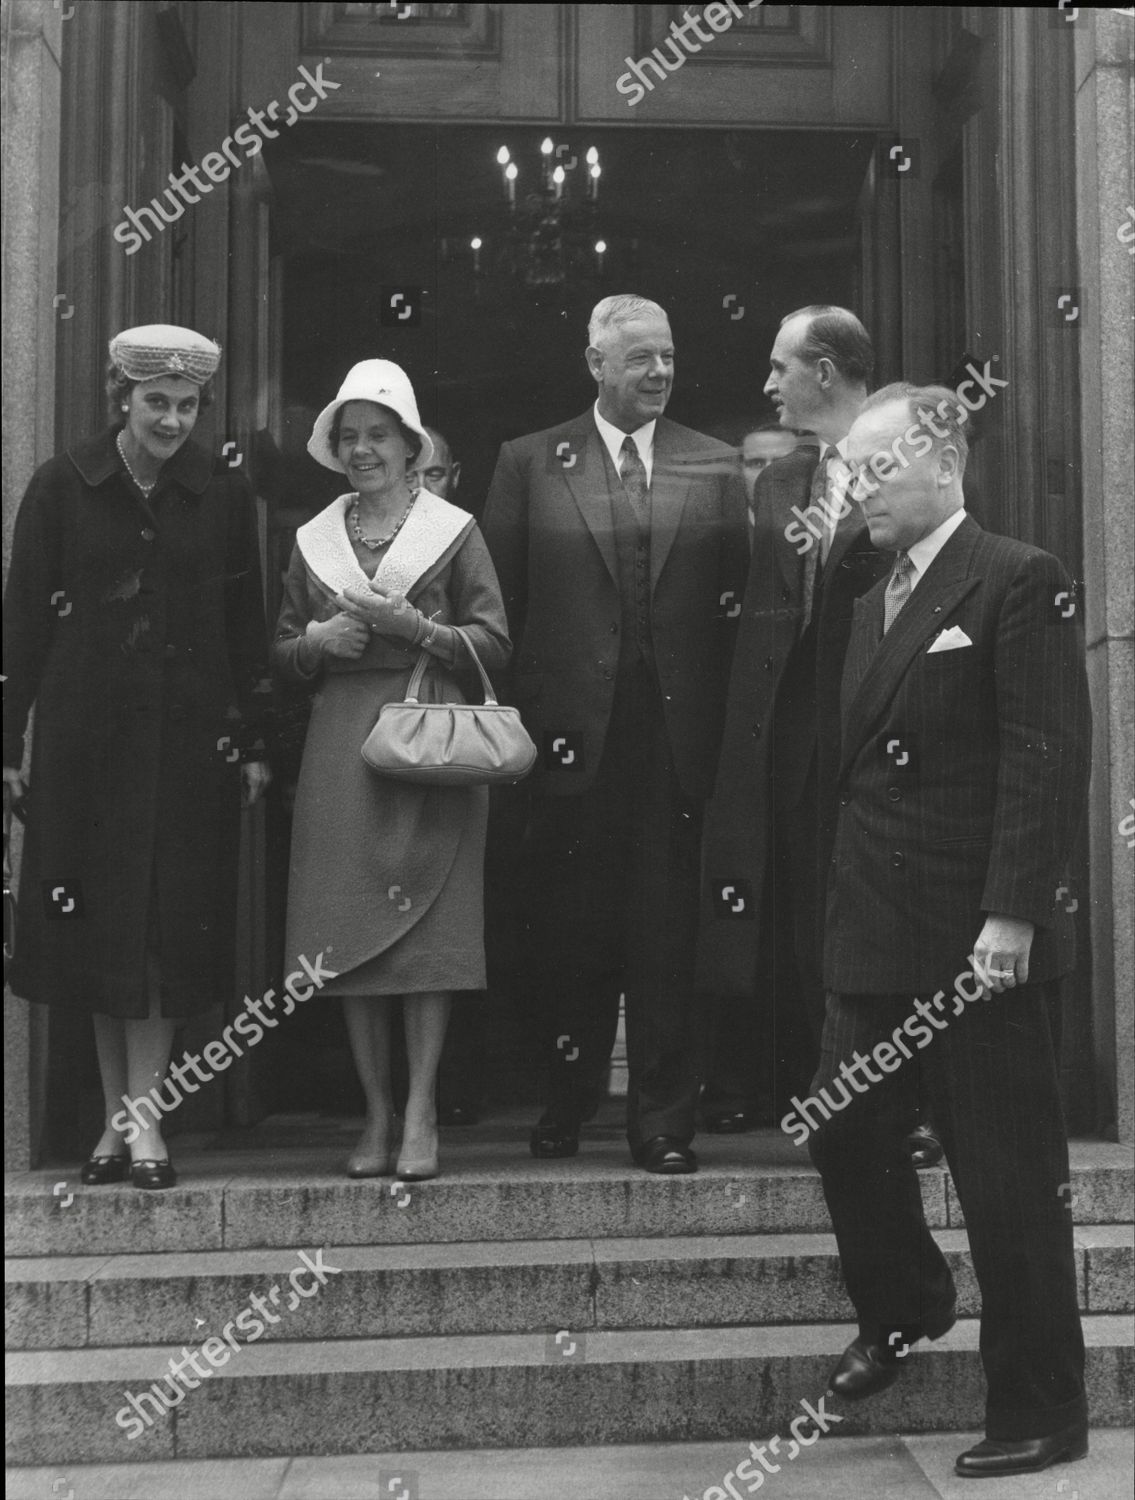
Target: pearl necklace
(145, 488)
(374, 542)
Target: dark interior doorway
(727, 229)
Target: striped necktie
(898, 589)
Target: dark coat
(548, 524)
(137, 631)
(782, 716)
(964, 773)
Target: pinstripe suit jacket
(963, 773)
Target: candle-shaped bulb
(503, 156)
(512, 172)
(475, 242)
(592, 156)
(547, 146)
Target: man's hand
(1000, 956)
(255, 779)
(383, 613)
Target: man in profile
(760, 946)
(619, 538)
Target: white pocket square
(950, 640)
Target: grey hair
(936, 401)
(612, 312)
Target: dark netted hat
(164, 349)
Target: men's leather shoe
(925, 1148)
(864, 1371)
(868, 1366)
(991, 1458)
(152, 1174)
(554, 1140)
(665, 1155)
(98, 1170)
(727, 1121)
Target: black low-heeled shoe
(153, 1174)
(98, 1170)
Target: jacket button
(756, 731)
(769, 664)
(898, 860)
(614, 630)
(893, 794)
(607, 674)
(845, 802)
(148, 534)
(784, 594)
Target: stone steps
(505, 1390)
(509, 1303)
(406, 1291)
(490, 1190)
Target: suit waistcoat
(632, 549)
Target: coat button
(784, 594)
(756, 731)
(614, 630)
(898, 860)
(845, 802)
(893, 794)
(148, 534)
(769, 663)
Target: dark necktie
(817, 497)
(632, 471)
(898, 589)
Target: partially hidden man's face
(758, 449)
(440, 477)
(634, 371)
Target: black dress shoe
(727, 1121)
(925, 1148)
(457, 1114)
(551, 1141)
(152, 1174)
(97, 1170)
(666, 1155)
(991, 1458)
(869, 1366)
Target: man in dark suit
(620, 542)
(963, 777)
(811, 558)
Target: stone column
(32, 39)
(1106, 238)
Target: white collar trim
(432, 526)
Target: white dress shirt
(614, 439)
(923, 553)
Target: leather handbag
(449, 744)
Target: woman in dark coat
(133, 622)
(386, 877)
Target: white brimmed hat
(159, 349)
(384, 383)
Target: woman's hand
(382, 613)
(341, 635)
(255, 779)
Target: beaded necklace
(374, 542)
(145, 488)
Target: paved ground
(877, 1468)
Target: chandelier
(545, 231)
